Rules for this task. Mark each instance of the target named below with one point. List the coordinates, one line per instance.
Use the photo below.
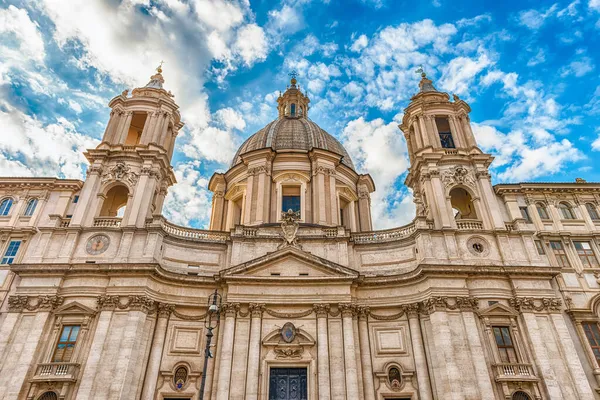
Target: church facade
(491, 292)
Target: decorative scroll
(288, 352)
(135, 303)
(528, 304)
(41, 303)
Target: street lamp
(211, 321)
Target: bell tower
(449, 173)
(130, 170)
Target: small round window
(180, 377)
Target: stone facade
(415, 312)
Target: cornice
(40, 183)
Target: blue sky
(529, 70)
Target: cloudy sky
(528, 68)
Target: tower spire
(426, 85)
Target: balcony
(469, 225)
(107, 222)
(514, 372)
(54, 372)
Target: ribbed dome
(293, 133)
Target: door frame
(310, 365)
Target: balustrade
(58, 371)
(514, 372)
(384, 236)
(469, 224)
(107, 222)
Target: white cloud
(379, 149)
(539, 58)
(251, 44)
(594, 5)
(534, 19)
(30, 43)
(360, 43)
(288, 20)
(458, 75)
(45, 149)
(188, 201)
(596, 144)
(578, 68)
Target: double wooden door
(288, 384)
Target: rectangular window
(443, 127)
(592, 333)
(76, 198)
(66, 343)
(586, 254)
(542, 211)
(525, 214)
(559, 253)
(290, 199)
(540, 247)
(11, 252)
(505, 344)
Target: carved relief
(34, 303)
(120, 172)
(529, 304)
(459, 175)
(289, 226)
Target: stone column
(125, 127)
(365, 354)
(158, 341)
(582, 386)
(477, 355)
(256, 311)
(247, 217)
(419, 353)
(348, 311)
(541, 356)
(323, 380)
(230, 310)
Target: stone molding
(134, 303)
(20, 303)
(533, 304)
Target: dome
(289, 133)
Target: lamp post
(211, 321)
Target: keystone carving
(529, 304)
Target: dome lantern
(293, 103)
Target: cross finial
(293, 74)
(159, 69)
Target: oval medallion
(288, 332)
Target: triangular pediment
(74, 308)
(498, 310)
(290, 262)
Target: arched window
(592, 211)
(48, 396)
(462, 204)
(5, 206)
(31, 204)
(115, 201)
(293, 110)
(542, 211)
(566, 211)
(520, 396)
(394, 377)
(180, 377)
